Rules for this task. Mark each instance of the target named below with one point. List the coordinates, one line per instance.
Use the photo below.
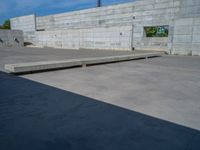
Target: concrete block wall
(139, 14)
(95, 17)
(136, 14)
(189, 8)
(114, 38)
(11, 38)
(25, 23)
(59, 38)
(187, 36)
(154, 13)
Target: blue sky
(13, 8)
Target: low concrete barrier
(54, 65)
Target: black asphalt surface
(34, 116)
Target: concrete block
(183, 30)
(195, 49)
(184, 22)
(196, 30)
(197, 21)
(11, 38)
(182, 39)
(196, 38)
(42, 66)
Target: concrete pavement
(27, 54)
(166, 87)
(35, 116)
(144, 104)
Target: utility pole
(98, 3)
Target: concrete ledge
(52, 65)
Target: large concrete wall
(89, 18)
(11, 38)
(186, 35)
(189, 8)
(115, 38)
(27, 24)
(135, 15)
(138, 14)
(186, 39)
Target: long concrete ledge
(52, 65)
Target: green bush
(156, 31)
(6, 25)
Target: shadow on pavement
(36, 116)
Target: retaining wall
(135, 15)
(11, 38)
(114, 38)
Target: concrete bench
(54, 65)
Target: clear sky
(13, 8)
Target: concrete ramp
(21, 68)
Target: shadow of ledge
(36, 116)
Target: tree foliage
(156, 31)
(6, 25)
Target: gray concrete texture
(186, 39)
(11, 38)
(166, 87)
(34, 116)
(134, 16)
(27, 54)
(112, 38)
(31, 67)
(144, 104)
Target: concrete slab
(35, 116)
(164, 87)
(52, 65)
(27, 54)
(144, 104)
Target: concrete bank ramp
(21, 68)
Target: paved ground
(165, 87)
(113, 106)
(20, 55)
(34, 116)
